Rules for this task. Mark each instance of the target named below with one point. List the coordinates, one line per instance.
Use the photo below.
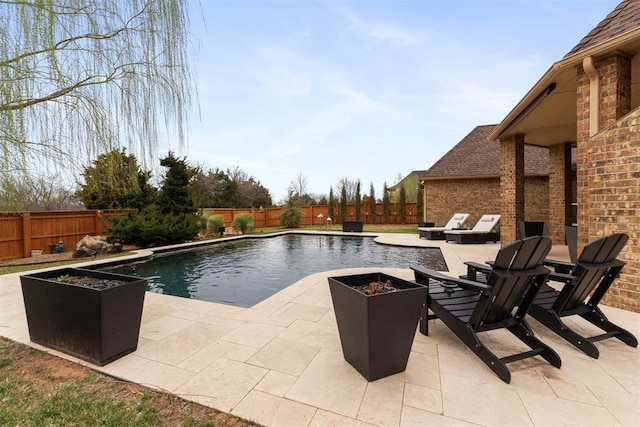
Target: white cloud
(378, 31)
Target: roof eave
(557, 68)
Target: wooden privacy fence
(270, 217)
(23, 232)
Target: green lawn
(39, 389)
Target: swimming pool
(246, 271)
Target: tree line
(115, 180)
(170, 211)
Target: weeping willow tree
(81, 77)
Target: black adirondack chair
(584, 286)
(468, 307)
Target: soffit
(553, 120)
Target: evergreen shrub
(291, 216)
(150, 227)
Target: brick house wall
(608, 165)
(613, 165)
(480, 196)
(614, 159)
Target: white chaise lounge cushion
(484, 225)
(457, 220)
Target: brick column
(511, 187)
(582, 136)
(559, 191)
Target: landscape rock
(91, 246)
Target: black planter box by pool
(376, 331)
(352, 226)
(98, 326)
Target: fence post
(98, 223)
(26, 235)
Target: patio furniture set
(501, 293)
(498, 294)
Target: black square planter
(376, 331)
(352, 226)
(96, 325)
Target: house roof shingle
(625, 17)
(477, 157)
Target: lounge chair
(585, 285)
(482, 232)
(437, 233)
(469, 307)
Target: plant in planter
(92, 315)
(377, 317)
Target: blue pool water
(247, 271)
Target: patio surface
(280, 362)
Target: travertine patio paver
(280, 362)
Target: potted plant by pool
(377, 317)
(92, 315)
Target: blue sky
(367, 89)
